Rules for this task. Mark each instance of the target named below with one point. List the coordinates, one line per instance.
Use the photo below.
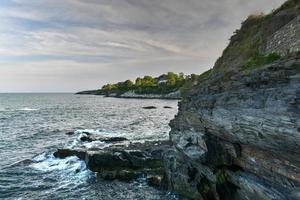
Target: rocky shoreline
(132, 95)
(116, 158)
(237, 132)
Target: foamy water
(27, 109)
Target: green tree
(171, 78)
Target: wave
(81, 132)
(27, 109)
(96, 144)
(76, 142)
(70, 167)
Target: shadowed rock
(122, 162)
(149, 107)
(63, 153)
(70, 133)
(236, 135)
(168, 107)
(91, 138)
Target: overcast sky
(72, 45)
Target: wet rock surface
(122, 160)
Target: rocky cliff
(237, 133)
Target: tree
(129, 84)
(138, 82)
(148, 81)
(171, 78)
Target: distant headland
(165, 86)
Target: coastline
(132, 95)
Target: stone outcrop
(241, 138)
(237, 133)
(123, 161)
(285, 40)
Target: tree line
(164, 84)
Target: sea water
(33, 126)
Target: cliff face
(237, 133)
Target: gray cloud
(52, 44)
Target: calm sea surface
(32, 126)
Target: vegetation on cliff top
(247, 47)
(248, 42)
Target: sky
(74, 45)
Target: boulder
(149, 107)
(70, 133)
(91, 138)
(168, 107)
(63, 153)
(122, 161)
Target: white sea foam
(27, 109)
(96, 144)
(71, 167)
(19, 109)
(82, 132)
(50, 163)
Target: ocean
(33, 126)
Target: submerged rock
(91, 138)
(70, 133)
(167, 107)
(149, 107)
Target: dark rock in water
(91, 138)
(122, 162)
(63, 153)
(167, 107)
(111, 158)
(114, 139)
(70, 133)
(149, 107)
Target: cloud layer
(70, 45)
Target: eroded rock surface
(240, 139)
(237, 133)
(123, 161)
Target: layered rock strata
(237, 133)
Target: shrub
(259, 60)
